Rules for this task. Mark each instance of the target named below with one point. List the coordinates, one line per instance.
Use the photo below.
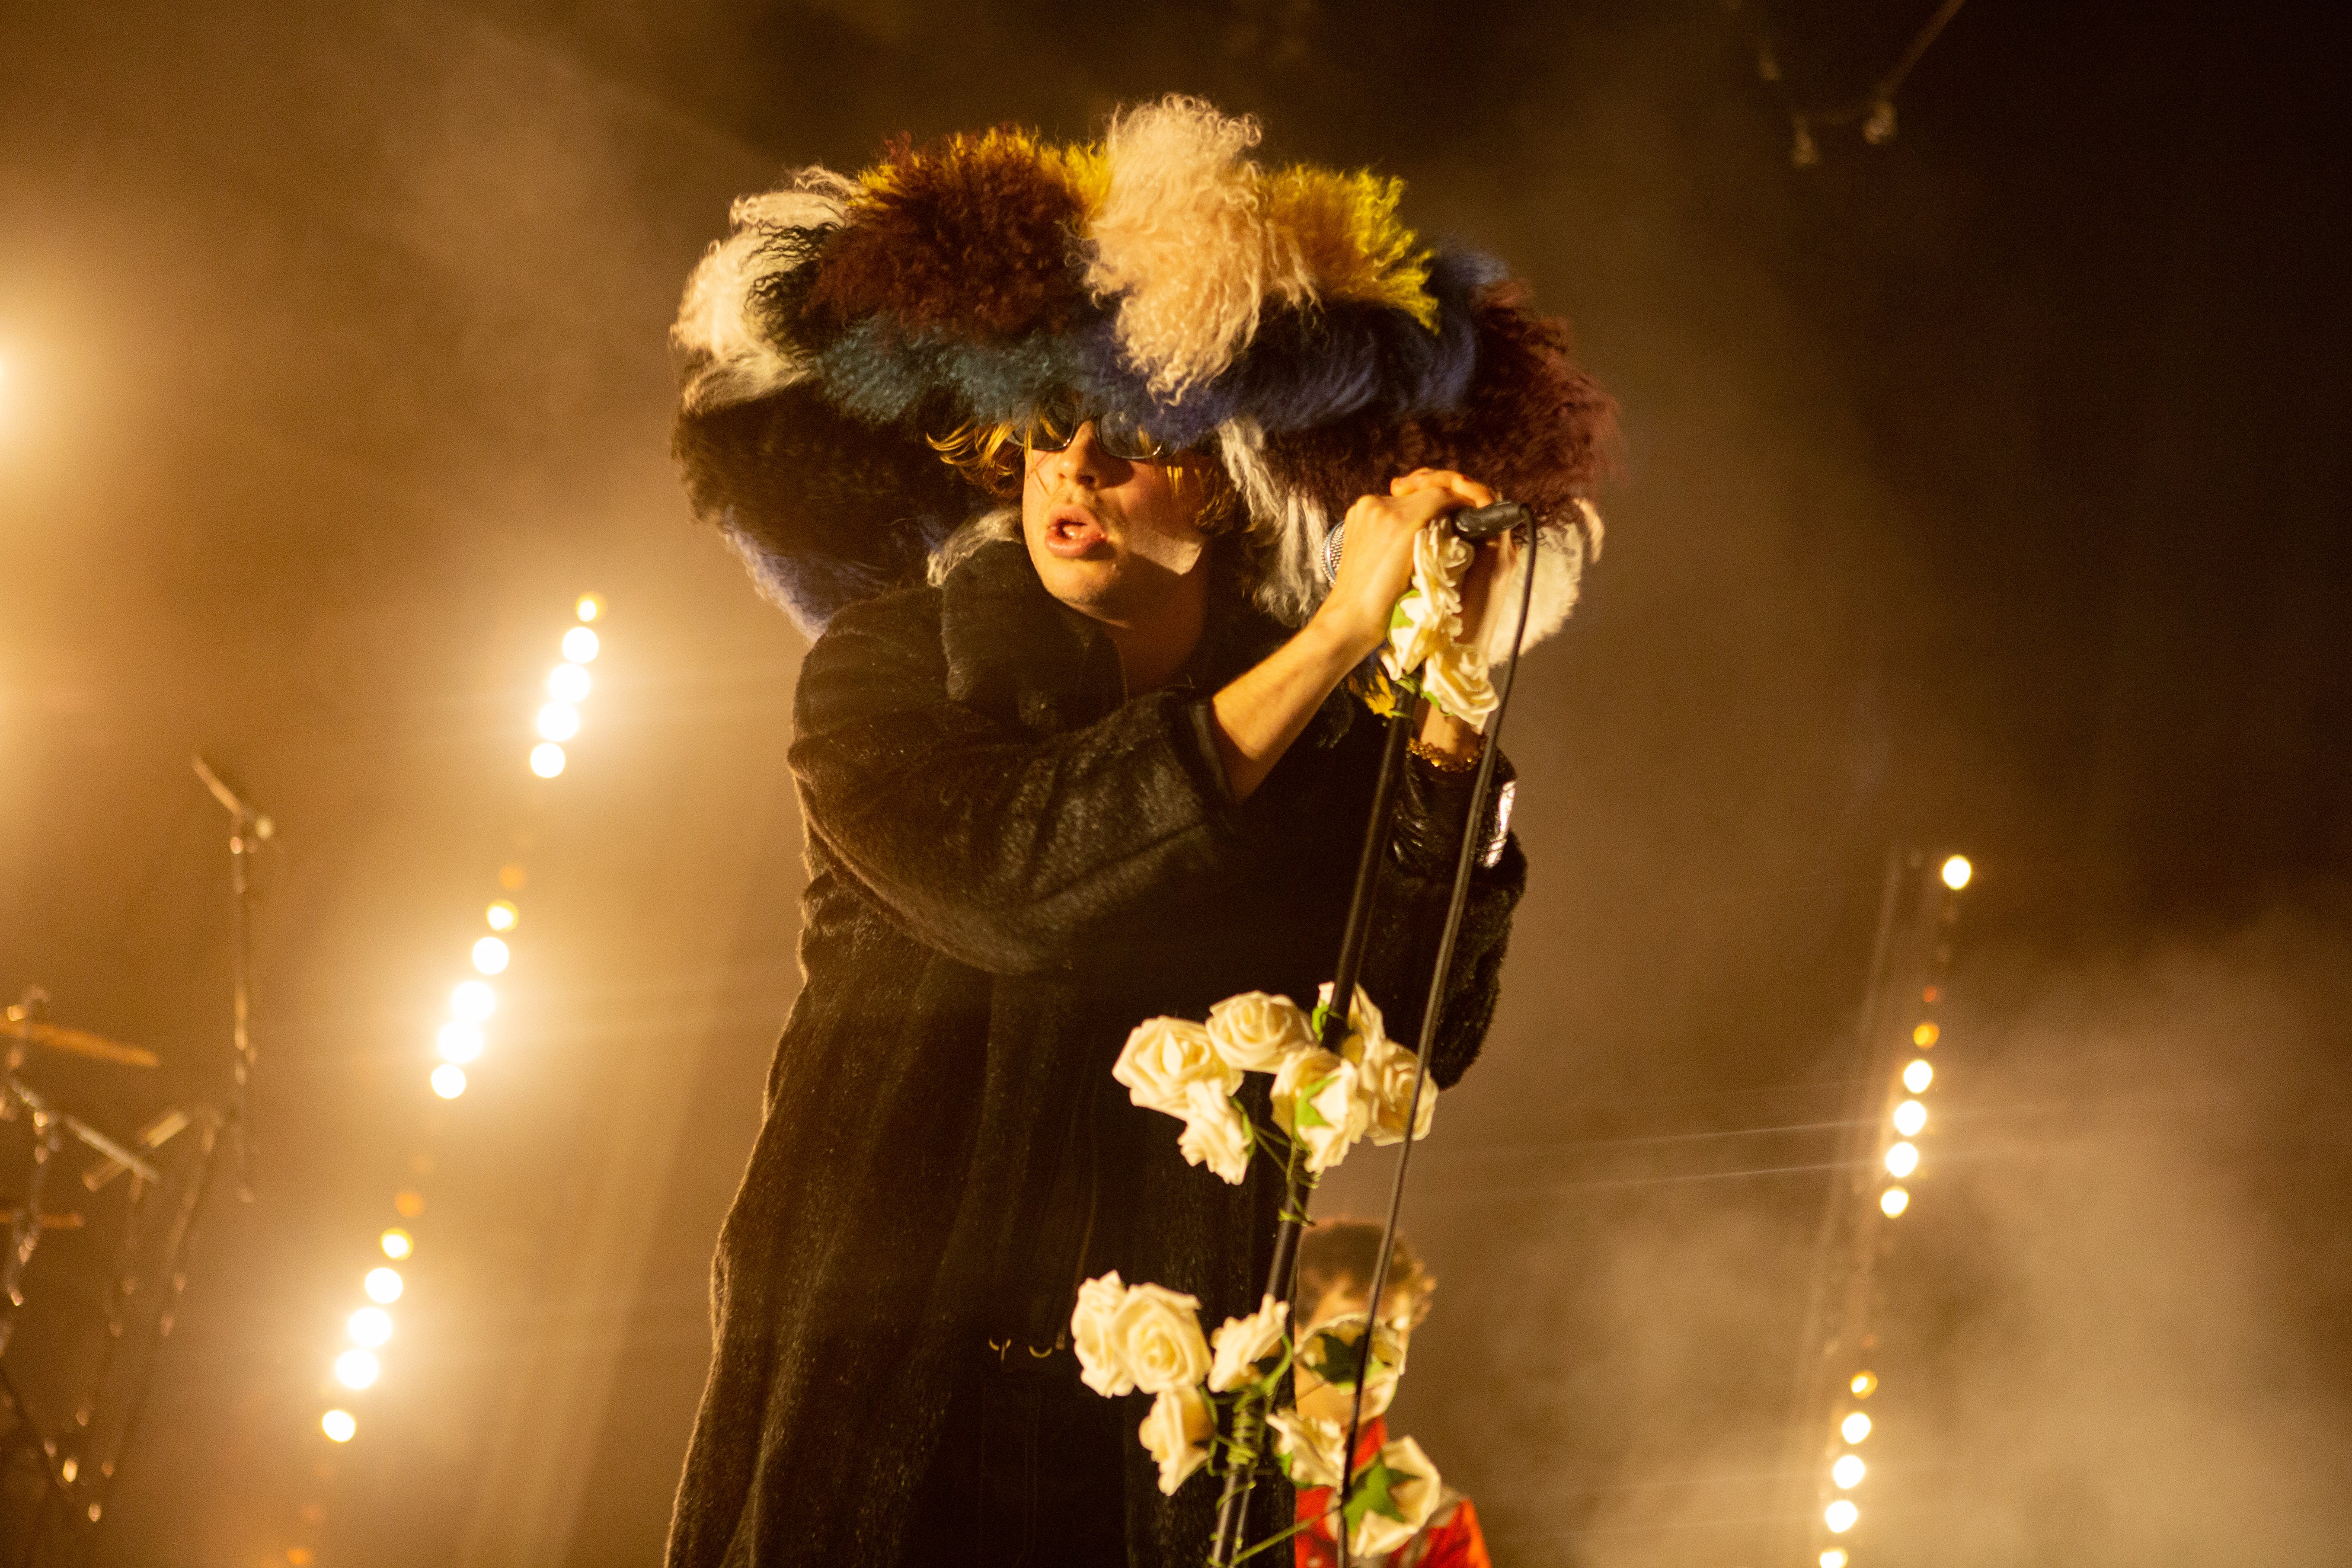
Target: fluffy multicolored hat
(1282, 318)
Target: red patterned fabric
(1451, 1540)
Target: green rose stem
(1249, 1416)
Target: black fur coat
(1009, 867)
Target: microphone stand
(1241, 1476)
(249, 828)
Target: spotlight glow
(503, 916)
(547, 759)
(1864, 1384)
(357, 1369)
(1909, 1118)
(1918, 1076)
(590, 607)
(474, 1001)
(1892, 1202)
(1902, 1159)
(1834, 1558)
(567, 683)
(1925, 1035)
(491, 956)
(580, 644)
(460, 1043)
(448, 1080)
(339, 1426)
(1839, 1516)
(397, 1243)
(370, 1327)
(1854, 1427)
(1957, 872)
(382, 1285)
(559, 720)
(1847, 1472)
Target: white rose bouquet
(1426, 654)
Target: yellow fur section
(1083, 168)
(1350, 245)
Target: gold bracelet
(1440, 760)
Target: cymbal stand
(249, 828)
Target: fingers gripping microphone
(1476, 523)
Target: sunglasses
(1053, 426)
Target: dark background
(1984, 489)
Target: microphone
(232, 800)
(1473, 524)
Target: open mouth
(1071, 532)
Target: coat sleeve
(1006, 850)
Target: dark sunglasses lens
(1126, 440)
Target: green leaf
(1375, 1492)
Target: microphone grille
(1331, 545)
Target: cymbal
(81, 1043)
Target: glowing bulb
(590, 607)
(474, 1001)
(1903, 1158)
(547, 759)
(370, 1327)
(559, 720)
(567, 683)
(357, 1369)
(1864, 1384)
(580, 644)
(1892, 1202)
(1918, 1076)
(382, 1285)
(1839, 1516)
(339, 1426)
(1834, 1558)
(460, 1043)
(1854, 1427)
(1957, 872)
(1909, 1118)
(503, 916)
(491, 955)
(1847, 1471)
(397, 1243)
(448, 1080)
(1925, 1035)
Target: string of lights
(459, 1043)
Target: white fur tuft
(727, 362)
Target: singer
(1041, 444)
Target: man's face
(1110, 538)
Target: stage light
(559, 720)
(1847, 1471)
(1864, 1384)
(503, 916)
(1925, 1035)
(491, 956)
(1903, 1158)
(383, 1285)
(397, 1243)
(547, 759)
(448, 1080)
(474, 1001)
(357, 1369)
(568, 683)
(1918, 1076)
(1839, 1516)
(460, 1043)
(1854, 1427)
(590, 607)
(339, 1426)
(1957, 872)
(580, 644)
(1909, 1118)
(409, 1204)
(370, 1327)
(1892, 1202)
(1834, 1558)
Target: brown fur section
(1534, 426)
(970, 236)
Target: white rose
(1156, 1338)
(1440, 558)
(1243, 1342)
(1333, 1347)
(1098, 1364)
(1176, 1433)
(1456, 679)
(1318, 1102)
(1418, 628)
(1414, 1491)
(1389, 1072)
(1311, 1446)
(1365, 1025)
(1216, 1134)
(1163, 1057)
(1256, 1029)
